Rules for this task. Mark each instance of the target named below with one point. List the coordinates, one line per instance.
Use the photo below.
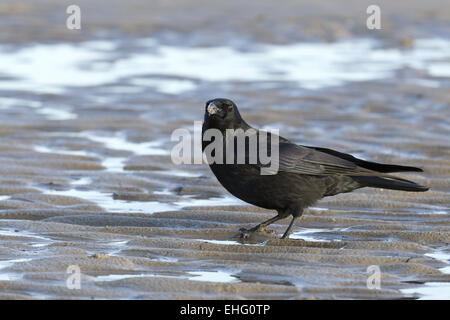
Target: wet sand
(86, 177)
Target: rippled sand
(86, 177)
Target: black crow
(305, 174)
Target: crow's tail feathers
(389, 182)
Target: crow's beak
(213, 109)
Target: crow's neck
(223, 127)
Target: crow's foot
(247, 233)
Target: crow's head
(222, 114)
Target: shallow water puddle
(8, 263)
(117, 245)
(169, 86)
(114, 164)
(232, 242)
(309, 65)
(430, 291)
(215, 201)
(116, 277)
(50, 113)
(116, 142)
(57, 114)
(165, 192)
(214, 276)
(10, 102)
(106, 201)
(443, 256)
(223, 242)
(43, 241)
(179, 173)
(83, 181)
(10, 276)
(119, 142)
(209, 276)
(311, 234)
(166, 259)
(45, 149)
(434, 290)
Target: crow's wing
(321, 161)
(303, 160)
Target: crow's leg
(289, 229)
(295, 215)
(245, 233)
(262, 226)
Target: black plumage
(305, 174)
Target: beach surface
(88, 187)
